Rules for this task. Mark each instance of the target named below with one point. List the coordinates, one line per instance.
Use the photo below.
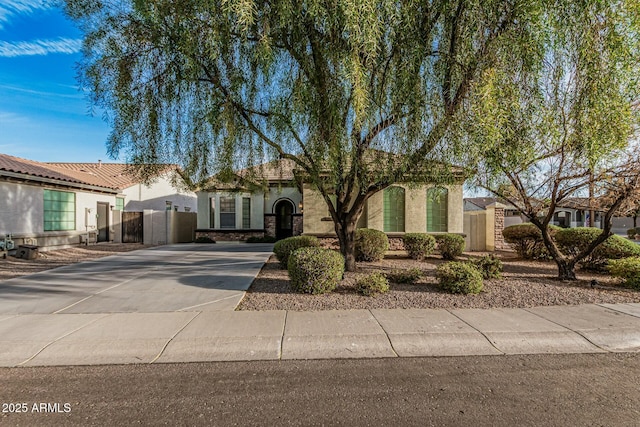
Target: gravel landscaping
(15, 267)
(524, 284)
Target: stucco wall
(21, 208)
(204, 209)
(315, 209)
(22, 214)
(155, 195)
(276, 194)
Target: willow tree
(565, 127)
(358, 93)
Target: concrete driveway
(192, 277)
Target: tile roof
(43, 170)
(114, 175)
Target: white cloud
(39, 47)
(7, 117)
(8, 8)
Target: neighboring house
(286, 206)
(49, 204)
(134, 195)
(574, 212)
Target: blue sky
(43, 114)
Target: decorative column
(495, 225)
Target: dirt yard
(524, 284)
(15, 267)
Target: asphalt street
(535, 390)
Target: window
(393, 211)
(246, 212)
(59, 210)
(227, 212)
(119, 204)
(437, 209)
(212, 212)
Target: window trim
(228, 214)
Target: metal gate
(132, 230)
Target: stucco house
(135, 195)
(286, 206)
(52, 205)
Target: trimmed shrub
(405, 276)
(204, 239)
(372, 284)
(572, 241)
(459, 277)
(419, 245)
(371, 245)
(627, 269)
(490, 266)
(283, 248)
(314, 270)
(450, 246)
(526, 240)
(632, 232)
(265, 239)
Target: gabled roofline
(68, 184)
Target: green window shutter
(393, 209)
(246, 212)
(59, 210)
(437, 209)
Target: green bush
(450, 246)
(490, 266)
(285, 247)
(526, 240)
(459, 278)
(419, 245)
(371, 245)
(572, 241)
(632, 232)
(204, 239)
(627, 269)
(405, 276)
(265, 239)
(372, 284)
(314, 270)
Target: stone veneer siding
(297, 224)
(229, 235)
(498, 227)
(270, 225)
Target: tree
(555, 131)
(358, 93)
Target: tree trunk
(346, 235)
(566, 269)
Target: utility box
(27, 252)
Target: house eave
(57, 182)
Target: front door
(103, 222)
(284, 219)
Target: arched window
(437, 209)
(393, 213)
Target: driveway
(191, 277)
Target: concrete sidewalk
(187, 336)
